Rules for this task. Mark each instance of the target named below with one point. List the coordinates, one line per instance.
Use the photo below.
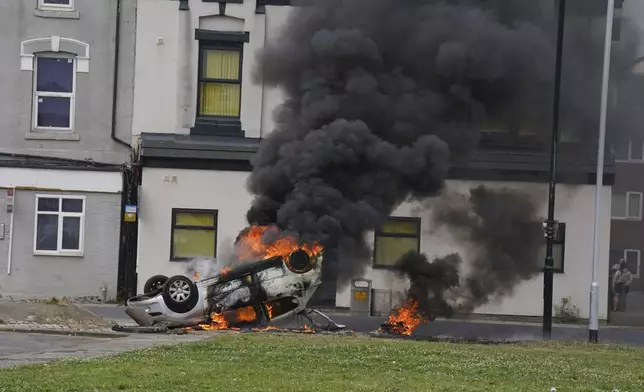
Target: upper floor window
(630, 151)
(626, 205)
(219, 90)
(220, 81)
(54, 91)
(56, 5)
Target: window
(629, 151)
(59, 226)
(631, 256)
(626, 205)
(220, 81)
(558, 249)
(56, 5)
(396, 237)
(54, 87)
(194, 234)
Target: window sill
(626, 219)
(640, 161)
(179, 260)
(58, 254)
(57, 14)
(384, 267)
(50, 135)
(217, 127)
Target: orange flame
(246, 314)
(269, 328)
(269, 310)
(196, 276)
(307, 329)
(252, 247)
(404, 319)
(225, 270)
(218, 321)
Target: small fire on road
(403, 319)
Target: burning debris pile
(403, 319)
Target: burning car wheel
(154, 283)
(180, 294)
(299, 262)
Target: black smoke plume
(381, 95)
(502, 231)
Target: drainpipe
(117, 35)
(9, 256)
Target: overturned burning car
(251, 293)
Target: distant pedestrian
(621, 286)
(611, 284)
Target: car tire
(156, 282)
(180, 294)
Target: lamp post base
(593, 335)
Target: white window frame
(626, 217)
(630, 158)
(61, 215)
(37, 94)
(71, 96)
(636, 275)
(43, 5)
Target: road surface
(449, 328)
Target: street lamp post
(550, 225)
(593, 320)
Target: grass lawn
(272, 362)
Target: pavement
(60, 329)
(30, 348)
(63, 341)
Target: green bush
(567, 311)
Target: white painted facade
(167, 64)
(165, 100)
(575, 206)
(226, 192)
(63, 180)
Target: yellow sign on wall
(130, 213)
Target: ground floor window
(630, 256)
(394, 238)
(194, 234)
(59, 226)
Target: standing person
(627, 279)
(611, 284)
(621, 286)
